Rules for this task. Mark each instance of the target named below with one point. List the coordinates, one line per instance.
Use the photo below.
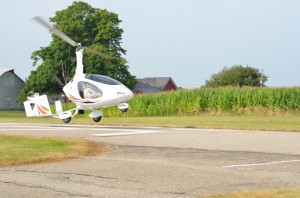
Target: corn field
(212, 100)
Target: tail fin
(37, 106)
(58, 107)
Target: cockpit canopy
(88, 90)
(102, 79)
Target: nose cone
(128, 94)
(124, 94)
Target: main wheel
(67, 120)
(97, 119)
(124, 110)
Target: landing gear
(67, 120)
(124, 110)
(123, 107)
(96, 115)
(97, 119)
(65, 116)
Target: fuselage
(90, 91)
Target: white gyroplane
(87, 91)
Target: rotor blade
(97, 52)
(55, 31)
(57, 80)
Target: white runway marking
(126, 133)
(261, 164)
(103, 131)
(31, 128)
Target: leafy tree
(237, 75)
(93, 27)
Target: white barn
(10, 87)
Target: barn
(154, 85)
(10, 87)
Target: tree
(237, 75)
(92, 27)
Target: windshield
(102, 79)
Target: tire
(97, 119)
(67, 120)
(124, 110)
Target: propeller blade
(97, 52)
(55, 31)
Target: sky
(188, 40)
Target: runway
(158, 162)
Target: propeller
(64, 37)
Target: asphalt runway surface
(157, 162)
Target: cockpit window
(102, 79)
(88, 91)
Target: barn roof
(152, 84)
(4, 70)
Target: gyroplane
(88, 91)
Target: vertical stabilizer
(28, 109)
(58, 107)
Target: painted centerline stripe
(261, 164)
(125, 133)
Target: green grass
(279, 122)
(12, 114)
(285, 193)
(213, 100)
(235, 100)
(17, 150)
(271, 123)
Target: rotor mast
(79, 58)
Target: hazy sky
(188, 40)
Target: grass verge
(267, 123)
(19, 150)
(280, 122)
(285, 193)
